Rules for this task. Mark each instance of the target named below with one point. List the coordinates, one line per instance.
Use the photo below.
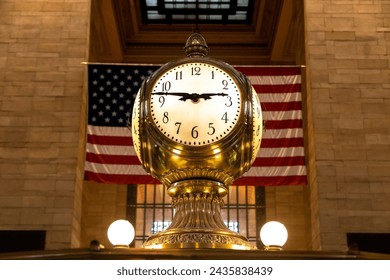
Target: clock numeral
(178, 124)
(230, 102)
(165, 117)
(258, 130)
(225, 84)
(212, 75)
(179, 75)
(166, 86)
(225, 117)
(161, 99)
(212, 129)
(194, 132)
(195, 71)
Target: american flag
(110, 157)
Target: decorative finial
(196, 46)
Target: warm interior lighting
(121, 233)
(273, 235)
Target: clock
(196, 127)
(195, 103)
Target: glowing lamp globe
(273, 235)
(121, 233)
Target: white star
(128, 114)
(108, 94)
(136, 71)
(101, 88)
(114, 101)
(102, 76)
(108, 107)
(101, 100)
(95, 70)
(94, 106)
(123, 71)
(129, 77)
(122, 83)
(93, 119)
(100, 113)
(135, 83)
(121, 108)
(94, 94)
(108, 83)
(109, 70)
(107, 120)
(128, 101)
(121, 95)
(114, 114)
(115, 77)
(115, 89)
(128, 89)
(150, 72)
(142, 77)
(95, 82)
(120, 120)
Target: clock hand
(192, 96)
(184, 95)
(206, 96)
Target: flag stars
(129, 77)
(102, 77)
(116, 77)
(121, 95)
(109, 71)
(122, 71)
(114, 114)
(122, 83)
(114, 101)
(101, 100)
(94, 70)
(108, 95)
(108, 107)
(101, 88)
(114, 89)
(107, 120)
(128, 101)
(108, 83)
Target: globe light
(121, 233)
(273, 235)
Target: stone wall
(348, 67)
(42, 45)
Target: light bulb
(121, 233)
(273, 235)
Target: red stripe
(120, 179)
(279, 161)
(283, 124)
(281, 142)
(281, 106)
(269, 71)
(272, 181)
(276, 89)
(112, 159)
(109, 140)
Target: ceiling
(119, 33)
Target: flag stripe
(110, 157)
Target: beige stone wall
(348, 47)
(286, 204)
(102, 205)
(42, 44)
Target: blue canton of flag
(112, 91)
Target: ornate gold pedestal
(197, 222)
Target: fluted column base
(197, 222)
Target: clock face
(257, 124)
(135, 126)
(195, 104)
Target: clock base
(197, 222)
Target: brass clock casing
(197, 174)
(223, 160)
